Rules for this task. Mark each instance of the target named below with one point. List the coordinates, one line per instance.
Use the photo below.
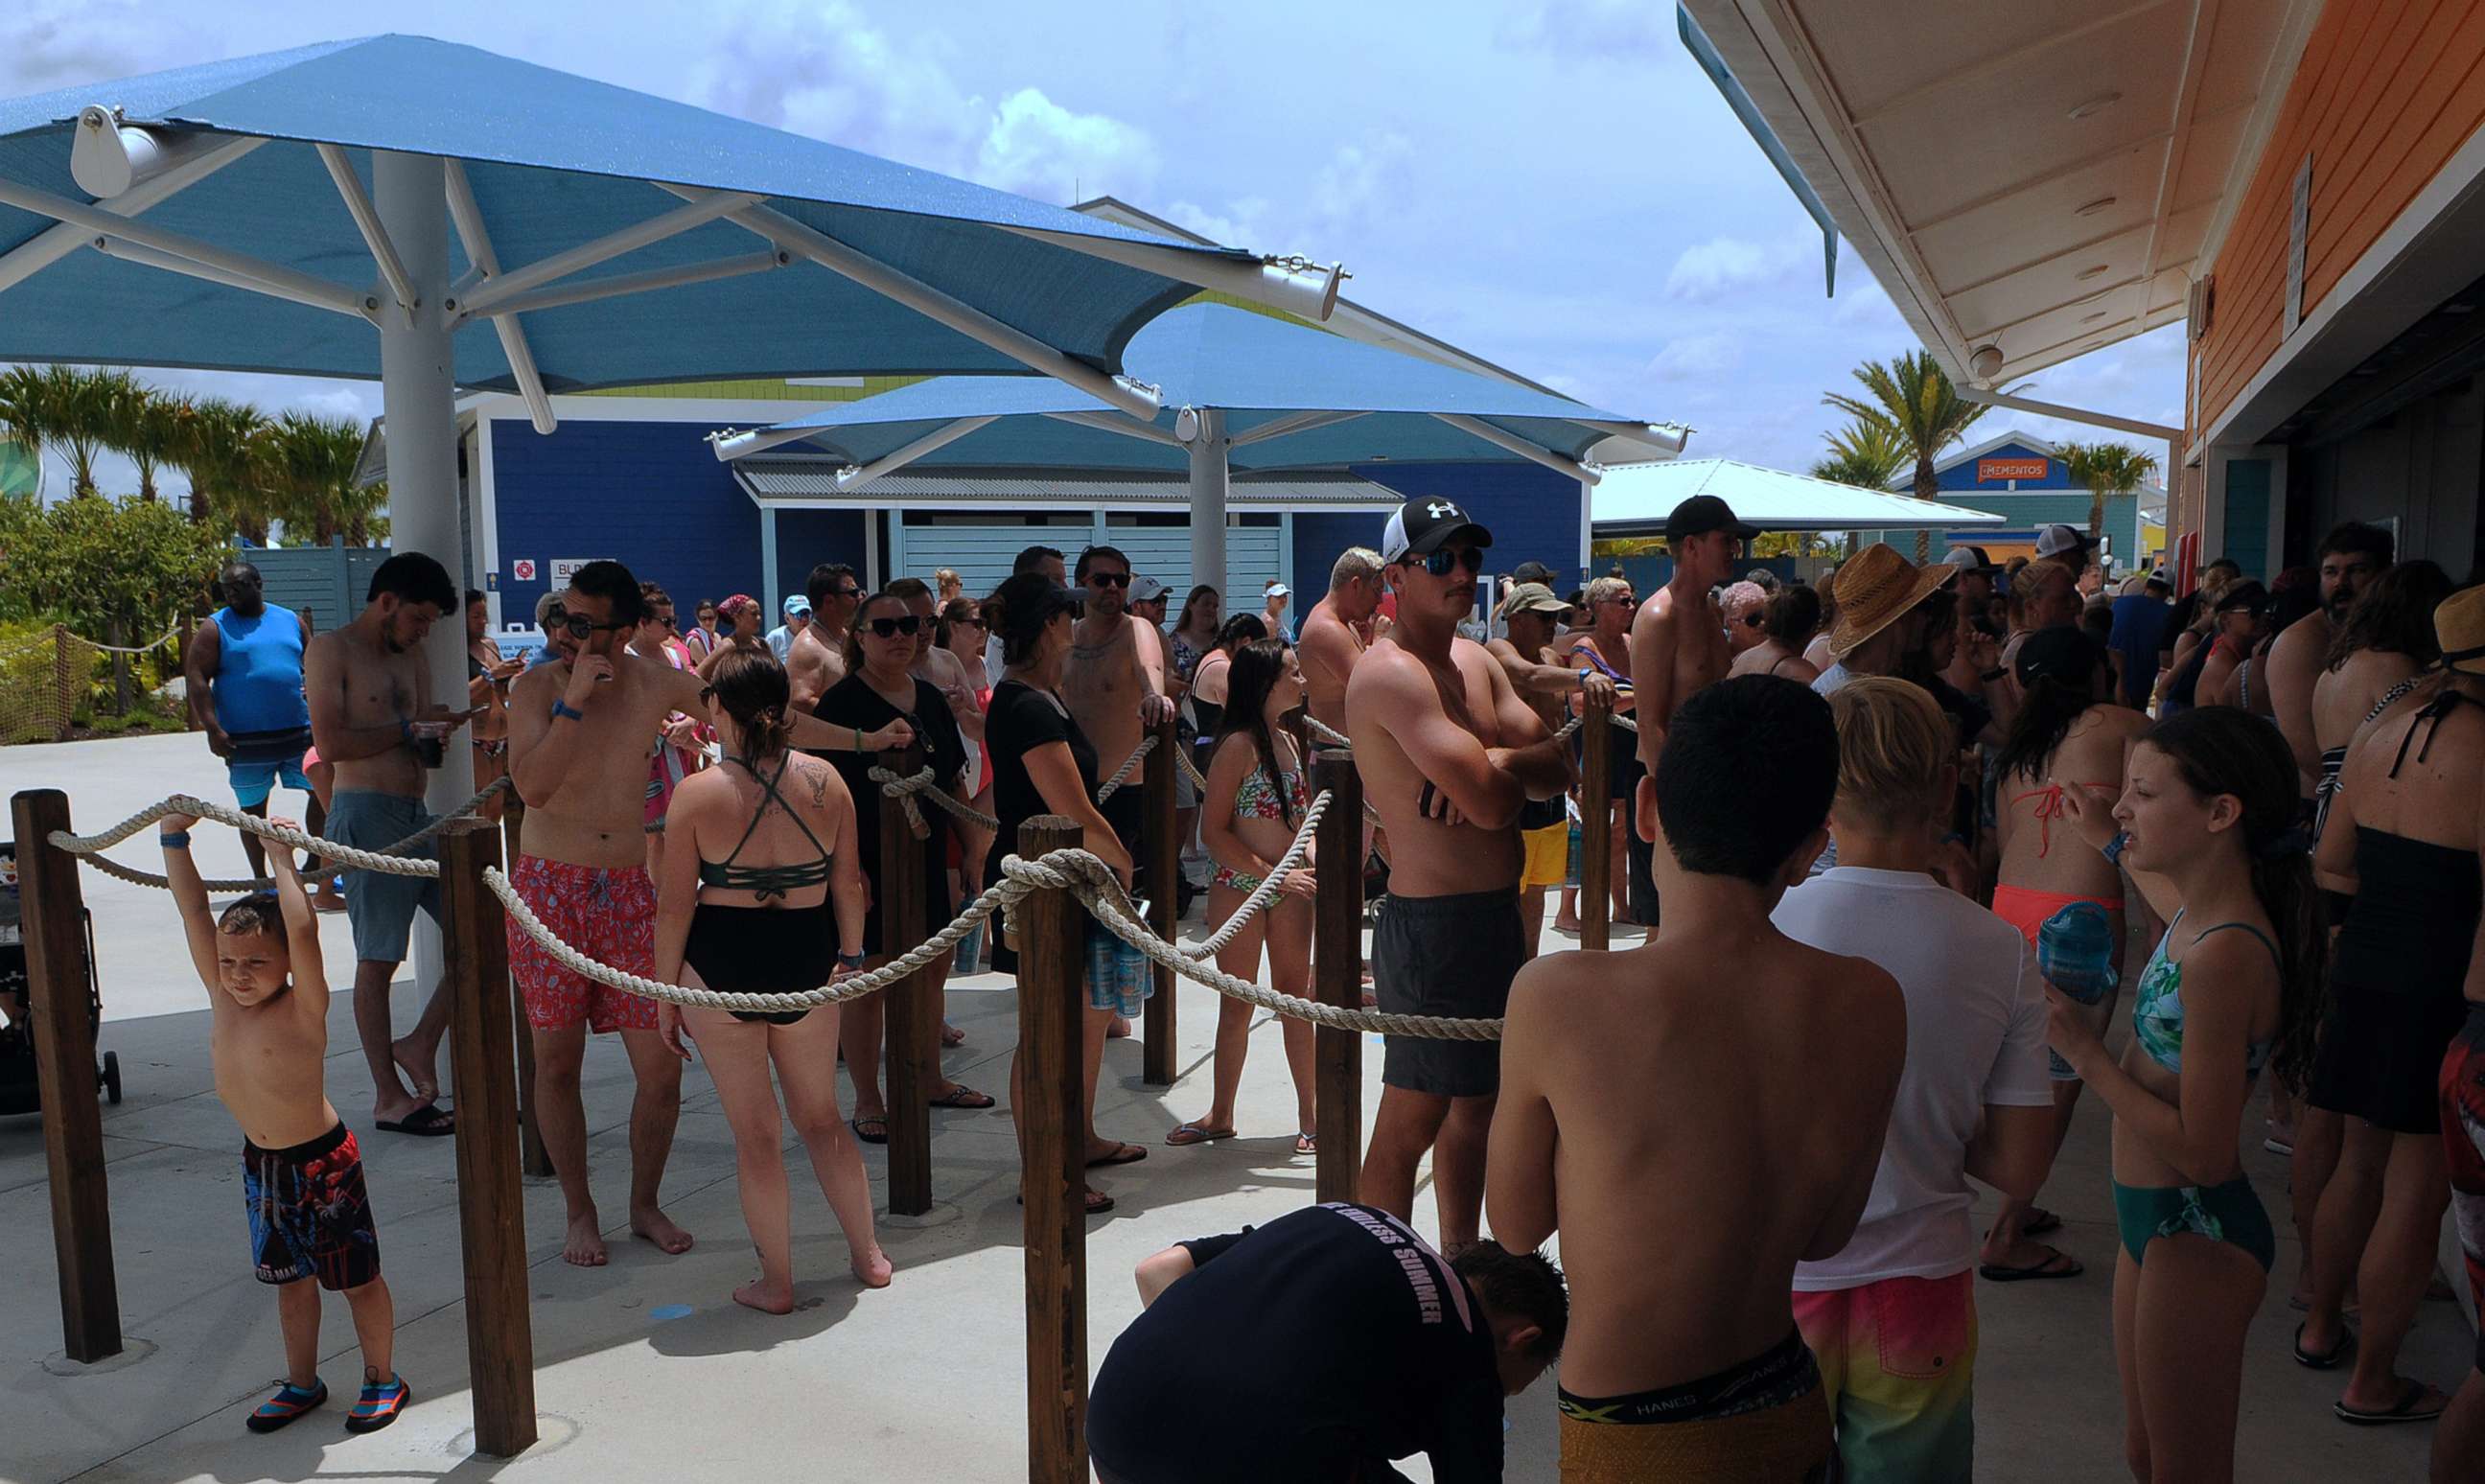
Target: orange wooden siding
(2388, 90)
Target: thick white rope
(1268, 887)
(1147, 744)
(388, 861)
(904, 790)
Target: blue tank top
(259, 672)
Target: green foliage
(1911, 400)
(309, 464)
(96, 562)
(1867, 455)
(2108, 470)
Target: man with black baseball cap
(1449, 783)
(1678, 645)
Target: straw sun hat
(2459, 623)
(1876, 589)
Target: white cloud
(1723, 267)
(53, 43)
(1617, 30)
(1362, 180)
(1696, 357)
(1236, 226)
(1037, 147)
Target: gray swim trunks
(1451, 957)
(380, 908)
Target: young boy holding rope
(302, 1173)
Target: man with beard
(243, 677)
(1114, 687)
(2351, 557)
(817, 660)
(1678, 645)
(374, 722)
(579, 730)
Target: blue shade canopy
(1270, 378)
(554, 162)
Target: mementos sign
(1991, 471)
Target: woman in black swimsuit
(747, 908)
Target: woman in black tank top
(757, 895)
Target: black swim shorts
(1446, 955)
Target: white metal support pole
(768, 617)
(418, 393)
(1208, 489)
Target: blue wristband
(179, 839)
(2114, 847)
(562, 708)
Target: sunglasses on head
(1465, 558)
(581, 626)
(1753, 621)
(886, 627)
(1110, 579)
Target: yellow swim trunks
(1766, 1421)
(1548, 857)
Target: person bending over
(1334, 1339)
(1684, 1201)
(1891, 1319)
(300, 1170)
(763, 857)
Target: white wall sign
(523, 569)
(565, 567)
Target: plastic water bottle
(970, 952)
(2075, 953)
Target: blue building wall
(1534, 514)
(651, 496)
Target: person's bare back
(1713, 1129)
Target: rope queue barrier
(1267, 891)
(904, 790)
(389, 861)
(1121, 775)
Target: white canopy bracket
(1296, 285)
(616, 285)
(851, 478)
(469, 219)
(358, 206)
(56, 243)
(1291, 423)
(1116, 422)
(1511, 443)
(700, 209)
(108, 157)
(921, 297)
(241, 269)
(730, 443)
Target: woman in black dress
(877, 690)
(1044, 764)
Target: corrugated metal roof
(1637, 498)
(810, 481)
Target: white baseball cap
(2058, 540)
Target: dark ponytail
(2227, 750)
(752, 688)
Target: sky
(1553, 186)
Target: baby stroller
(19, 1091)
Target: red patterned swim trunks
(608, 915)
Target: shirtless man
(1683, 1356)
(368, 685)
(1678, 646)
(1602, 647)
(817, 662)
(1114, 687)
(488, 675)
(2351, 557)
(580, 728)
(1448, 754)
(1329, 645)
(1530, 613)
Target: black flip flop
(2339, 1353)
(1122, 1154)
(2043, 1272)
(424, 1122)
(2407, 1409)
(876, 1119)
(2039, 1223)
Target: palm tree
(151, 426)
(311, 462)
(2108, 470)
(1912, 399)
(1864, 455)
(220, 454)
(79, 409)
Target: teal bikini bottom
(2222, 1213)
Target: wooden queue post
(1052, 1142)
(491, 1199)
(1595, 825)
(910, 1020)
(534, 1160)
(57, 972)
(1159, 1057)
(1337, 973)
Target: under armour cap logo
(1438, 509)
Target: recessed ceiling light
(2091, 208)
(2098, 271)
(2089, 108)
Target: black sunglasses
(1466, 559)
(909, 625)
(581, 626)
(1110, 579)
(1753, 621)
